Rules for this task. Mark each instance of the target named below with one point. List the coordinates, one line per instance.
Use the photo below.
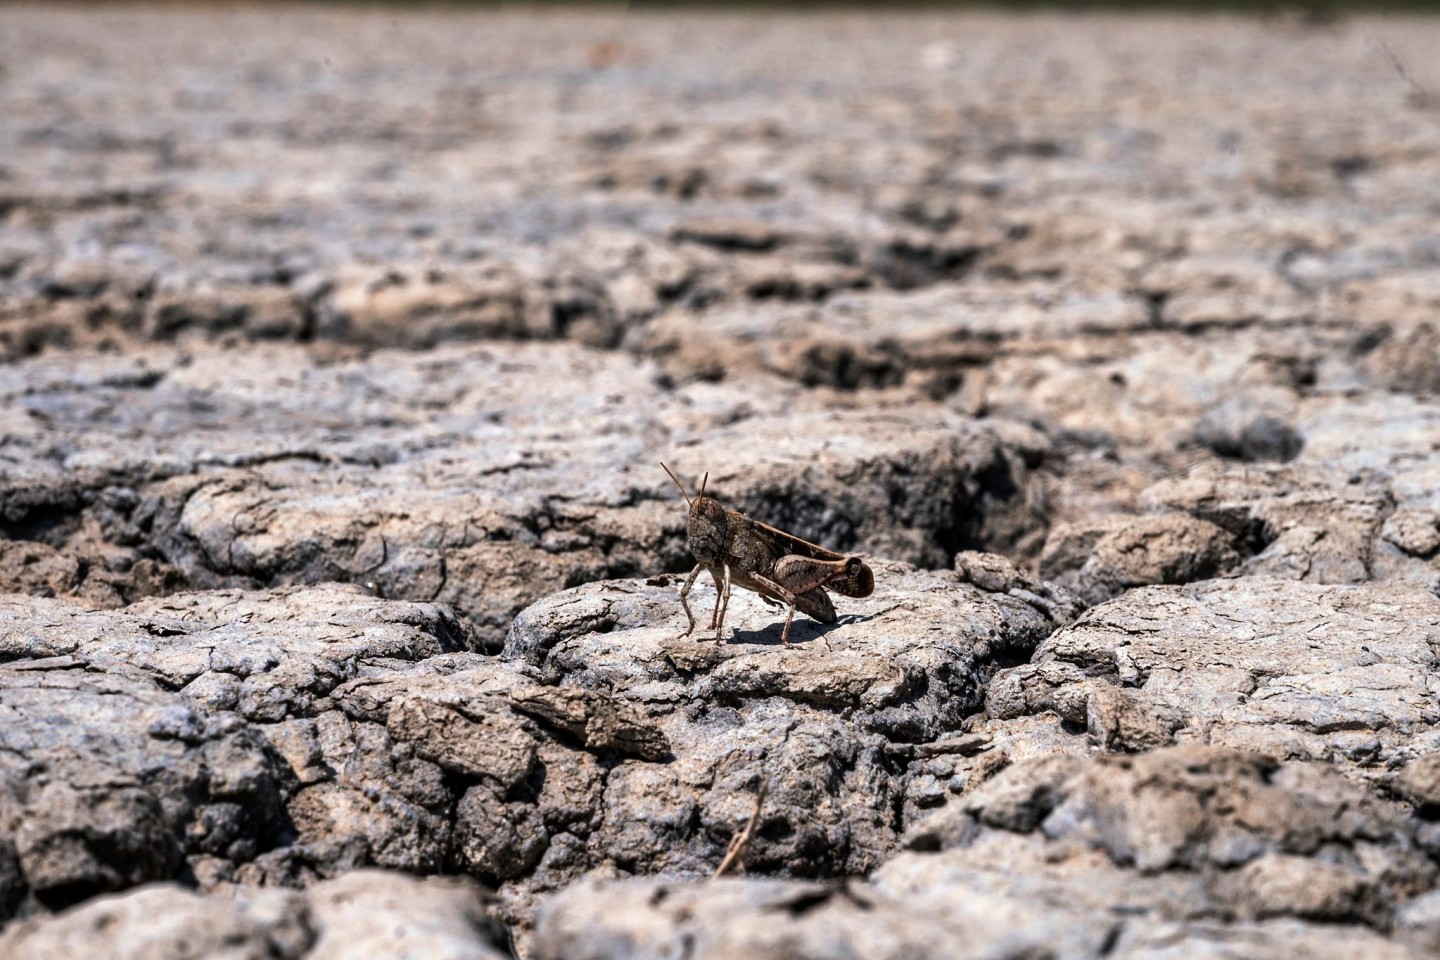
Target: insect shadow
(799, 633)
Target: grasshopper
(782, 568)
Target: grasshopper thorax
(709, 530)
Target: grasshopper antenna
(680, 486)
(704, 480)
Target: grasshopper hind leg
(719, 596)
(722, 602)
(815, 604)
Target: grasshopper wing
(848, 576)
(789, 543)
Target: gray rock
(1416, 532)
(1305, 522)
(281, 737)
(305, 731)
(166, 922)
(113, 780)
(1104, 558)
(767, 920)
(1418, 921)
(1213, 832)
(1237, 430)
(1274, 938)
(528, 491)
(1289, 669)
(826, 722)
(1409, 363)
(372, 913)
(363, 913)
(1419, 782)
(949, 917)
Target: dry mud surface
(338, 578)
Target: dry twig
(741, 840)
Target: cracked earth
(338, 576)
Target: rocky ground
(338, 353)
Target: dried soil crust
(364, 913)
(1193, 848)
(460, 475)
(414, 303)
(1285, 669)
(286, 736)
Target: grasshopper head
(709, 529)
(709, 524)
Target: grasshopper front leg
(684, 595)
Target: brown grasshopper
(782, 568)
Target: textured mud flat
(338, 577)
